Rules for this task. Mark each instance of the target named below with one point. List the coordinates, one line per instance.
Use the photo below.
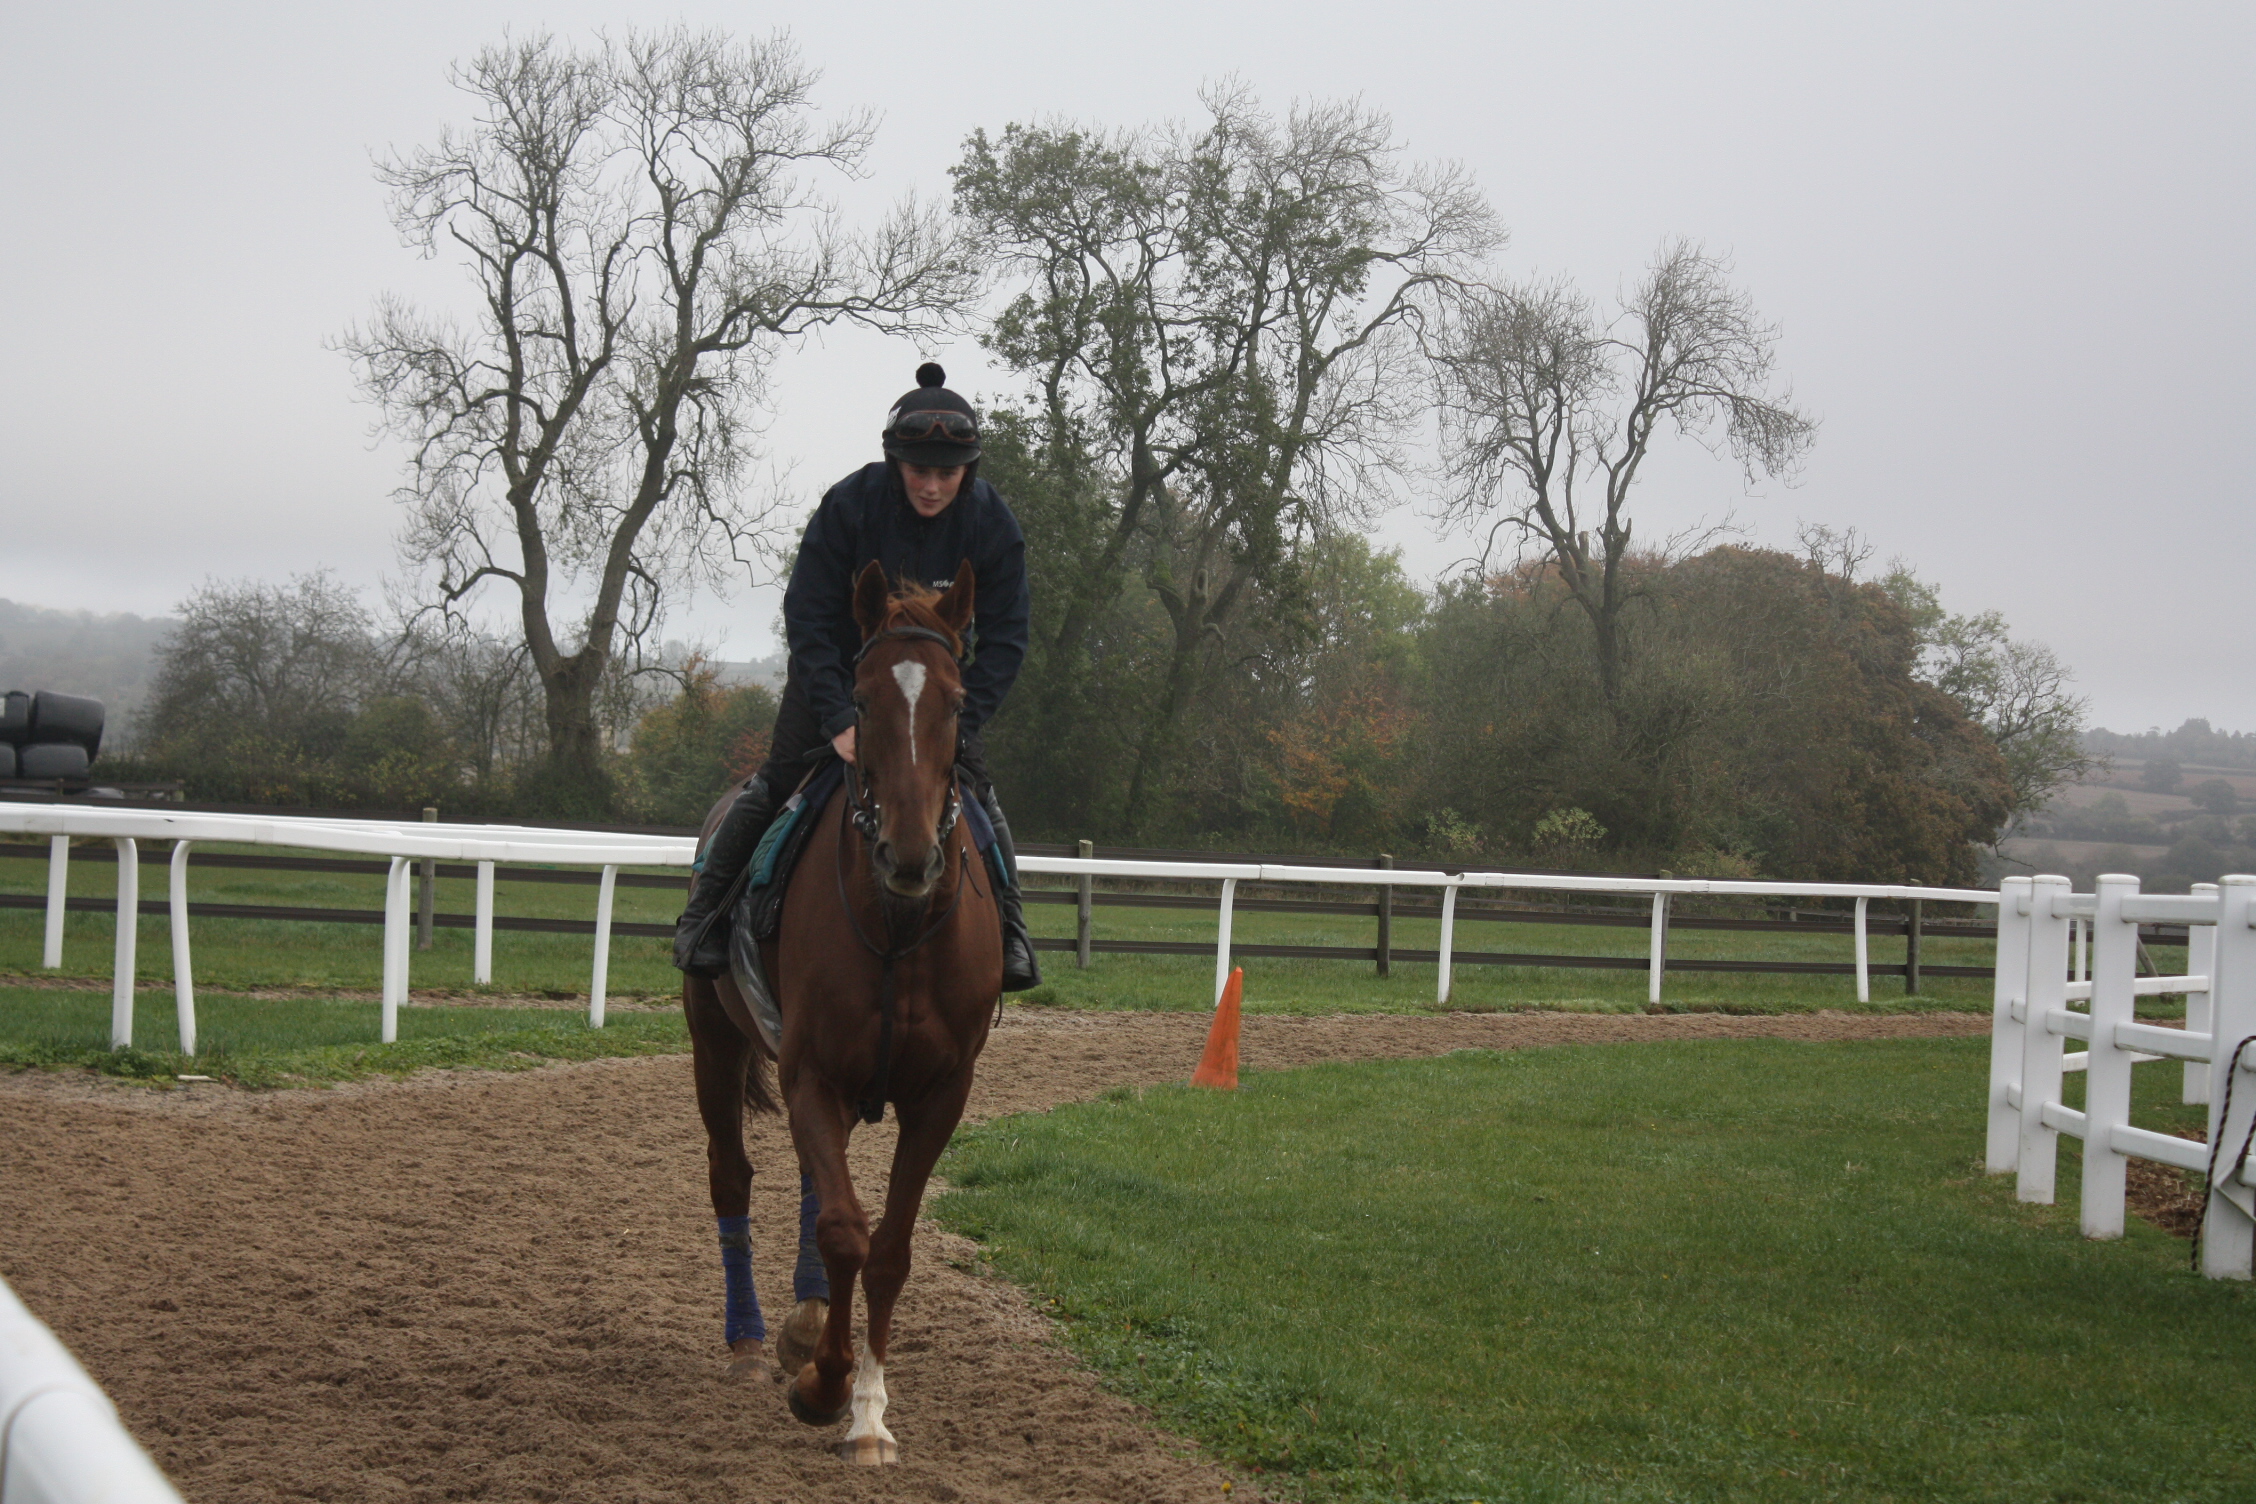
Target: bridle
(864, 813)
(861, 803)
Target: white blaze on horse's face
(909, 674)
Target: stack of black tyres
(47, 735)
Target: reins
(865, 814)
(2232, 1165)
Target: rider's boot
(1019, 969)
(701, 935)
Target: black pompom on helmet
(932, 425)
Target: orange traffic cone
(1218, 1067)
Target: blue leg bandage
(736, 1269)
(809, 1279)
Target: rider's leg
(701, 934)
(1020, 970)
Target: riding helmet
(932, 425)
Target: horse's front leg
(821, 1123)
(926, 1126)
(720, 1054)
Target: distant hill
(80, 653)
(2196, 743)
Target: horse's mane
(913, 605)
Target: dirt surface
(505, 1286)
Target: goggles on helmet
(915, 428)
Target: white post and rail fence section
(2043, 975)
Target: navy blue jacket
(867, 516)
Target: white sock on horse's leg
(867, 1441)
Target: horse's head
(907, 695)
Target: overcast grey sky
(2008, 245)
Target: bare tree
(1548, 413)
(642, 229)
(291, 660)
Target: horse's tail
(759, 1079)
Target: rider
(919, 513)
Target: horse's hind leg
(821, 1122)
(926, 1127)
(720, 1055)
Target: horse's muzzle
(909, 878)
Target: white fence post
(1656, 964)
(2047, 990)
(1222, 939)
(2228, 1235)
(128, 932)
(395, 948)
(183, 965)
(601, 979)
(1863, 954)
(2079, 940)
(2201, 960)
(60, 1440)
(481, 947)
(2112, 959)
(58, 899)
(1448, 939)
(2010, 990)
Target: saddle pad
(779, 850)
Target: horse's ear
(954, 608)
(869, 599)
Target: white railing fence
(2044, 971)
(1659, 889)
(60, 1440)
(402, 841)
(406, 841)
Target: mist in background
(2004, 243)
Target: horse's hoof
(748, 1359)
(795, 1343)
(870, 1451)
(802, 1410)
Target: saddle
(758, 913)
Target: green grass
(1754, 1270)
(300, 1041)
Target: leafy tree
(1215, 320)
(1768, 716)
(2018, 690)
(688, 750)
(2216, 796)
(2162, 775)
(640, 224)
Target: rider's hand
(843, 744)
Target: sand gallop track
(493, 1286)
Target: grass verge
(304, 1041)
(1755, 1270)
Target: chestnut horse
(886, 969)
